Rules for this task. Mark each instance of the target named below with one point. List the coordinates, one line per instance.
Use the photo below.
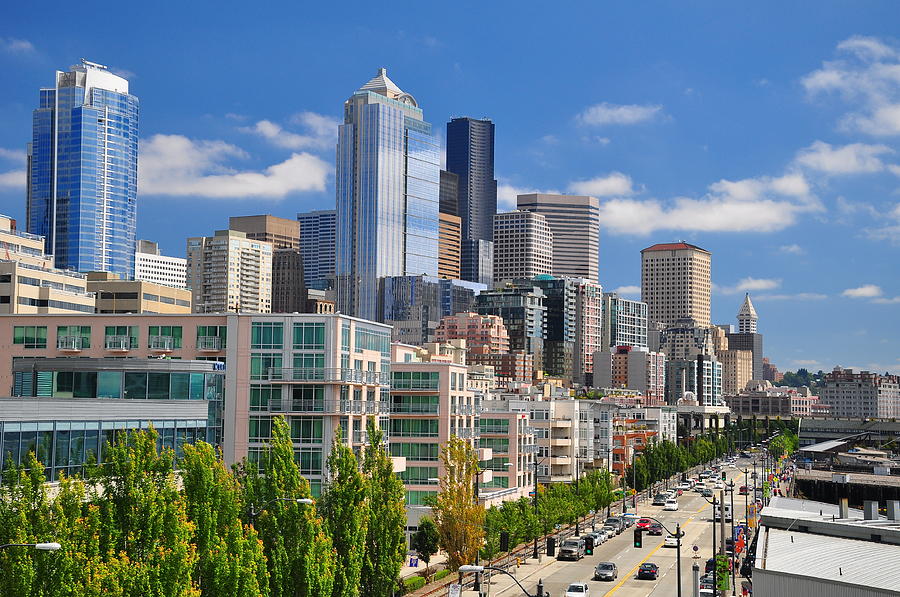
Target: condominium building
(523, 246)
(281, 233)
(737, 370)
(574, 221)
(861, 395)
(509, 367)
(229, 272)
(414, 305)
(115, 295)
(624, 322)
(479, 331)
(82, 178)
(150, 265)
(509, 473)
(696, 380)
(29, 283)
(634, 369)
(387, 183)
(676, 283)
(661, 419)
(588, 328)
(560, 297)
(317, 245)
(521, 306)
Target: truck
(718, 512)
(571, 549)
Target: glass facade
(82, 193)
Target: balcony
(118, 343)
(326, 374)
(362, 437)
(414, 409)
(326, 407)
(462, 409)
(468, 433)
(561, 460)
(69, 343)
(209, 344)
(561, 423)
(162, 343)
(560, 441)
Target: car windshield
(605, 566)
(576, 588)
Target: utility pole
(722, 528)
(696, 583)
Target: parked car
(643, 523)
(671, 540)
(707, 581)
(743, 490)
(706, 492)
(602, 536)
(610, 531)
(629, 519)
(655, 529)
(616, 522)
(578, 589)
(660, 499)
(606, 571)
(649, 571)
(571, 549)
(671, 504)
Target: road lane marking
(649, 555)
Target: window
(212, 331)
(345, 337)
(497, 444)
(30, 336)
(261, 395)
(309, 336)
(414, 428)
(260, 429)
(427, 452)
(415, 380)
(260, 365)
(495, 426)
(267, 334)
(306, 430)
(309, 366)
(415, 404)
(310, 461)
(80, 333)
(128, 335)
(419, 498)
(497, 464)
(308, 398)
(419, 475)
(164, 331)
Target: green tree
(459, 517)
(426, 540)
(385, 534)
(345, 509)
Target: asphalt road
(695, 516)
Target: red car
(744, 490)
(643, 523)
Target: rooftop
(673, 247)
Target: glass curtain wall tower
(387, 182)
(82, 182)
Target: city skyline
(790, 156)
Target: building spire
(747, 317)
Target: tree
(345, 509)
(459, 517)
(425, 540)
(385, 534)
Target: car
(671, 540)
(578, 589)
(629, 519)
(616, 522)
(707, 492)
(610, 531)
(686, 486)
(602, 536)
(660, 499)
(720, 485)
(679, 492)
(671, 504)
(643, 523)
(655, 529)
(743, 490)
(707, 581)
(649, 571)
(606, 571)
(571, 549)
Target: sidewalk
(407, 570)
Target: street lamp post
(536, 554)
(254, 512)
(37, 546)
(678, 534)
(466, 568)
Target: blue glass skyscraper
(387, 184)
(82, 183)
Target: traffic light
(638, 538)
(723, 475)
(589, 546)
(504, 540)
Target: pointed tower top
(747, 316)
(747, 307)
(380, 83)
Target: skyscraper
(317, 245)
(449, 232)
(82, 180)
(230, 273)
(387, 185)
(676, 283)
(575, 223)
(624, 322)
(470, 155)
(747, 317)
(523, 246)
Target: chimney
(870, 509)
(844, 508)
(893, 510)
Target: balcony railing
(462, 409)
(69, 343)
(326, 374)
(211, 343)
(327, 407)
(468, 433)
(414, 409)
(118, 343)
(415, 386)
(162, 343)
(362, 436)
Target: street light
(678, 534)
(37, 546)
(254, 512)
(479, 569)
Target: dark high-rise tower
(470, 155)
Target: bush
(441, 574)
(413, 583)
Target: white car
(578, 589)
(671, 504)
(671, 540)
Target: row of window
(35, 336)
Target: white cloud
(322, 132)
(752, 285)
(12, 179)
(606, 113)
(854, 158)
(16, 46)
(889, 232)
(613, 184)
(762, 204)
(177, 166)
(13, 155)
(628, 290)
(864, 291)
(806, 363)
(867, 76)
(887, 301)
(792, 249)
(800, 296)
(507, 193)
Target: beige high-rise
(575, 223)
(230, 273)
(676, 283)
(523, 246)
(288, 290)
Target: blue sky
(767, 134)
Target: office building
(684, 339)
(676, 283)
(477, 261)
(521, 306)
(771, 372)
(470, 155)
(485, 332)
(228, 272)
(114, 295)
(747, 317)
(317, 245)
(29, 283)
(387, 182)
(748, 338)
(288, 291)
(624, 322)
(523, 246)
(281, 233)
(150, 265)
(82, 179)
(560, 297)
(574, 221)
(516, 366)
(633, 369)
(861, 395)
(449, 228)
(588, 327)
(737, 370)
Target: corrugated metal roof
(835, 559)
(826, 446)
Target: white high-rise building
(230, 273)
(523, 246)
(676, 283)
(152, 266)
(747, 317)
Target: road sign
(454, 590)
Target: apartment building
(861, 395)
(510, 438)
(150, 265)
(479, 331)
(624, 322)
(523, 246)
(639, 370)
(513, 366)
(588, 328)
(230, 273)
(114, 295)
